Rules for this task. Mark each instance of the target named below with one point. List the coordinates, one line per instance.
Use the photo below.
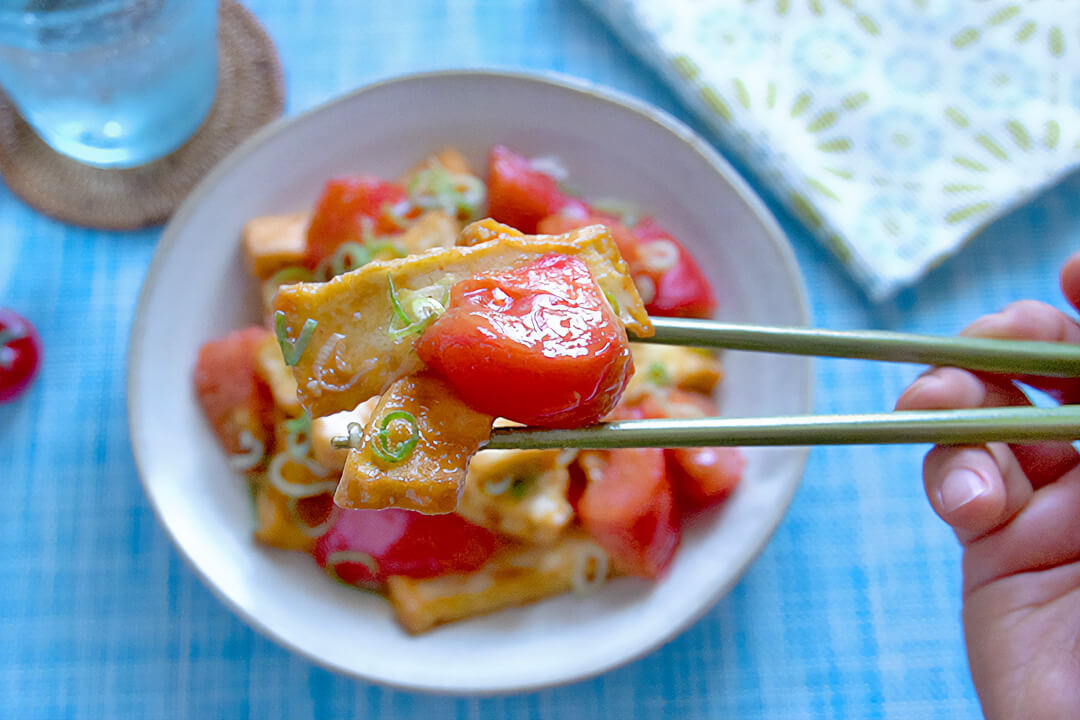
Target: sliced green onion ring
(297, 490)
(284, 276)
(367, 230)
(659, 256)
(349, 256)
(424, 309)
(612, 302)
(626, 212)
(292, 350)
(312, 530)
(456, 194)
(398, 310)
(498, 487)
(658, 374)
(380, 444)
(299, 439)
(254, 450)
(396, 249)
(340, 557)
(397, 213)
(582, 583)
(522, 486)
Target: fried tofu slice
(449, 158)
(433, 229)
(520, 493)
(352, 354)
(276, 520)
(273, 242)
(270, 367)
(516, 575)
(667, 366)
(429, 478)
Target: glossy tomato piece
(680, 290)
(365, 547)
(346, 204)
(537, 344)
(232, 396)
(20, 354)
(701, 477)
(521, 196)
(628, 507)
(704, 477)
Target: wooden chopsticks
(958, 427)
(1006, 356)
(979, 425)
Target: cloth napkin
(894, 129)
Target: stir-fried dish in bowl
(252, 218)
(396, 317)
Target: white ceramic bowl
(197, 289)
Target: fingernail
(986, 325)
(925, 383)
(960, 487)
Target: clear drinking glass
(111, 83)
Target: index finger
(1033, 320)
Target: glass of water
(110, 83)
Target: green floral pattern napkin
(895, 129)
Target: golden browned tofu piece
(325, 429)
(521, 493)
(665, 366)
(272, 242)
(352, 354)
(450, 159)
(433, 229)
(271, 368)
(514, 576)
(443, 434)
(277, 521)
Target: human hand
(1016, 511)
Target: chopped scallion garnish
(388, 451)
(292, 350)
(395, 302)
(658, 373)
(626, 212)
(612, 301)
(379, 246)
(460, 195)
(349, 256)
(521, 486)
(299, 439)
(284, 276)
(424, 309)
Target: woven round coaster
(250, 94)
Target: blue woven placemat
(852, 611)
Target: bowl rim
(593, 90)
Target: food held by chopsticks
(407, 325)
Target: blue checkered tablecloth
(852, 611)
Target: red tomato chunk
(537, 344)
(520, 196)
(231, 394)
(679, 288)
(629, 507)
(401, 542)
(345, 206)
